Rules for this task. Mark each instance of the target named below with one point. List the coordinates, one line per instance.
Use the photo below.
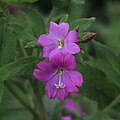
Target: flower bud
(13, 8)
(88, 37)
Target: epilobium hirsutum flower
(66, 118)
(60, 75)
(75, 107)
(59, 39)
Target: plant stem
(50, 16)
(23, 102)
(38, 99)
(112, 104)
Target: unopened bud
(87, 37)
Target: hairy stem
(21, 100)
(38, 99)
(50, 16)
(112, 104)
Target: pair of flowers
(59, 71)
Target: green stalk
(50, 16)
(38, 99)
(112, 104)
(20, 99)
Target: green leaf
(95, 81)
(98, 116)
(64, 18)
(7, 51)
(89, 105)
(27, 24)
(21, 33)
(32, 44)
(19, 1)
(78, 2)
(107, 62)
(11, 108)
(84, 23)
(15, 114)
(51, 107)
(37, 23)
(114, 113)
(15, 68)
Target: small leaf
(84, 23)
(32, 44)
(64, 18)
(15, 68)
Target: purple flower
(74, 107)
(60, 75)
(70, 105)
(66, 118)
(59, 39)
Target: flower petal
(53, 52)
(59, 31)
(62, 94)
(46, 40)
(47, 50)
(76, 78)
(70, 62)
(72, 48)
(72, 37)
(50, 88)
(43, 75)
(69, 86)
(65, 61)
(46, 66)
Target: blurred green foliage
(99, 60)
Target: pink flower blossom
(66, 118)
(59, 39)
(60, 74)
(70, 105)
(74, 107)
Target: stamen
(60, 43)
(59, 47)
(60, 84)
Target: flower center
(60, 83)
(60, 43)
